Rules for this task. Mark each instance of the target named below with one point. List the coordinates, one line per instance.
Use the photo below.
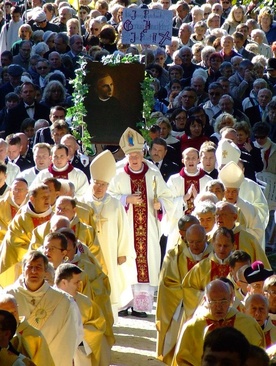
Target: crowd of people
(187, 215)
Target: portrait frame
(106, 121)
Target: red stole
(13, 211)
(268, 341)
(140, 222)
(190, 263)
(237, 241)
(40, 220)
(214, 324)
(218, 270)
(63, 174)
(188, 181)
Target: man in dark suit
(27, 108)
(158, 151)
(23, 57)
(258, 113)
(44, 134)
(76, 45)
(241, 83)
(14, 149)
(239, 42)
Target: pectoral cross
(100, 220)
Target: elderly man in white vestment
(112, 232)
(145, 196)
(250, 191)
(46, 309)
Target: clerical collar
(136, 171)
(31, 207)
(192, 174)
(222, 261)
(198, 257)
(104, 100)
(60, 169)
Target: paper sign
(147, 26)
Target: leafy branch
(78, 111)
(264, 3)
(147, 90)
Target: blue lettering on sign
(128, 25)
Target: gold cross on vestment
(224, 153)
(100, 220)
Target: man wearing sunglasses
(211, 107)
(226, 8)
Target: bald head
(218, 297)
(58, 222)
(66, 206)
(217, 286)
(256, 305)
(226, 215)
(196, 229)
(196, 239)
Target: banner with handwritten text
(147, 26)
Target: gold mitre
(131, 141)
(231, 175)
(227, 151)
(103, 167)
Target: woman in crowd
(55, 94)
(166, 134)
(235, 17)
(266, 24)
(215, 62)
(50, 10)
(193, 136)
(107, 38)
(178, 122)
(223, 120)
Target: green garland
(148, 103)
(263, 3)
(78, 111)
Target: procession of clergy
(74, 256)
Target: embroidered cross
(224, 153)
(100, 220)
